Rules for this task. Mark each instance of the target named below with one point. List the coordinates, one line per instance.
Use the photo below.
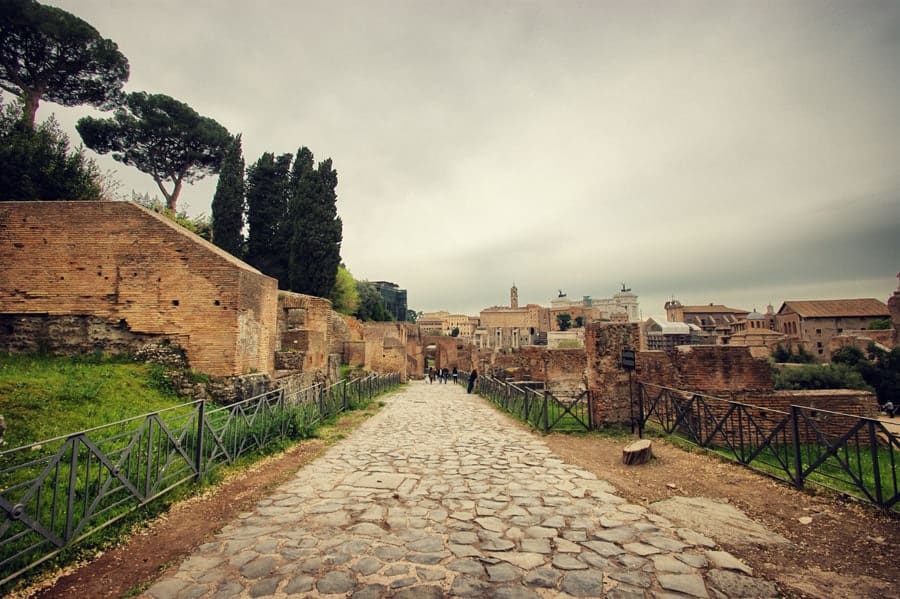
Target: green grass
(829, 474)
(44, 397)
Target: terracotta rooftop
(837, 308)
(713, 309)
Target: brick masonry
(720, 371)
(135, 273)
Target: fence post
(876, 471)
(641, 410)
(798, 463)
(590, 408)
(546, 413)
(346, 405)
(321, 394)
(198, 451)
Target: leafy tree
(37, 164)
(315, 227)
(162, 137)
(849, 355)
(49, 54)
(881, 324)
(454, 332)
(820, 376)
(371, 304)
(267, 199)
(412, 316)
(345, 297)
(228, 202)
(802, 356)
(781, 355)
(882, 371)
(564, 321)
(579, 321)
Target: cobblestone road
(437, 496)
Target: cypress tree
(316, 229)
(267, 190)
(228, 202)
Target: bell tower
(514, 297)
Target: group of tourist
(443, 375)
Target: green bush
(820, 376)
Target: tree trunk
(30, 100)
(638, 452)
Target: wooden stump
(638, 452)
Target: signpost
(628, 363)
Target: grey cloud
(712, 150)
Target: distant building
(668, 335)
(444, 323)
(813, 323)
(712, 318)
(621, 307)
(502, 326)
(394, 298)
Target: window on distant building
(818, 331)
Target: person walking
(455, 375)
(430, 374)
(472, 378)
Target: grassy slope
(43, 397)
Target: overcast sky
(731, 152)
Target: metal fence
(538, 407)
(843, 452)
(57, 492)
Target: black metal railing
(847, 453)
(57, 492)
(536, 406)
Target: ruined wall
(862, 339)
(719, 369)
(385, 347)
(607, 382)
(561, 370)
(128, 274)
(303, 328)
(832, 412)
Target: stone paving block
(689, 584)
(465, 586)
(726, 561)
(371, 591)
(265, 588)
(583, 584)
(523, 560)
(299, 584)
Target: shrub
(820, 376)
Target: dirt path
(847, 550)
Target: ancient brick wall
(720, 369)
(608, 382)
(135, 271)
(832, 412)
(386, 347)
(304, 324)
